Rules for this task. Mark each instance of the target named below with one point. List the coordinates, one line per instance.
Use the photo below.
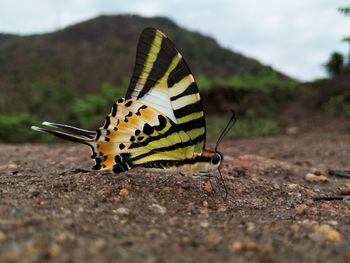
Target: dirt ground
(54, 208)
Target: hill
(5, 37)
(59, 66)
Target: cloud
(296, 37)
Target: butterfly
(159, 125)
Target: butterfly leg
(201, 175)
(206, 175)
(200, 183)
(211, 183)
(167, 179)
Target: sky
(295, 37)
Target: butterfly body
(159, 125)
(202, 164)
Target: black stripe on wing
(178, 73)
(160, 66)
(191, 89)
(143, 48)
(188, 109)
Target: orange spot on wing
(148, 113)
(134, 120)
(105, 148)
(122, 126)
(109, 163)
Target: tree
(346, 11)
(335, 64)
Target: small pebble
(213, 237)
(250, 227)
(207, 187)
(345, 190)
(174, 222)
(2, 236)
(123, 192)
(276, 186)
(222, 208)
(330, 233)
(9, 166)
(332, 223)
(204, 224)
(334, 236)
(317, 236)
(158, 209)
(309, 202)
(66, 236)
(293, 186)
(308, 223)
(316, 171)
(312, 178)
(251, 246)
(327, 207)
(122, 211)
(97, 246)
(292, 130)
(32, 192)
(203, 213)
(295, 228)
(237, 246)
(240, 171)
(205, 203)
(267, 253)
(54, 251)
(169, 189)
(300, 210)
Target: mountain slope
(56, 67)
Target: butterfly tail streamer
(67, 132)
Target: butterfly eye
(216, 159)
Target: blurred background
(283, 67)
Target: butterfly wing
(163, 80)
(135, 134)
(160, 121)
(161, 118)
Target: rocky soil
(288, 202)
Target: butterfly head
(213, 159)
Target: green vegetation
(344, 10)
(89, 111)
(15, 128)
(334, 93)
(266, 80)
(260, 98)
(257, 99)
(335, 64)
(338, 104)
(244, 128)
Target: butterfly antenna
(224, 132)
(228, 127)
